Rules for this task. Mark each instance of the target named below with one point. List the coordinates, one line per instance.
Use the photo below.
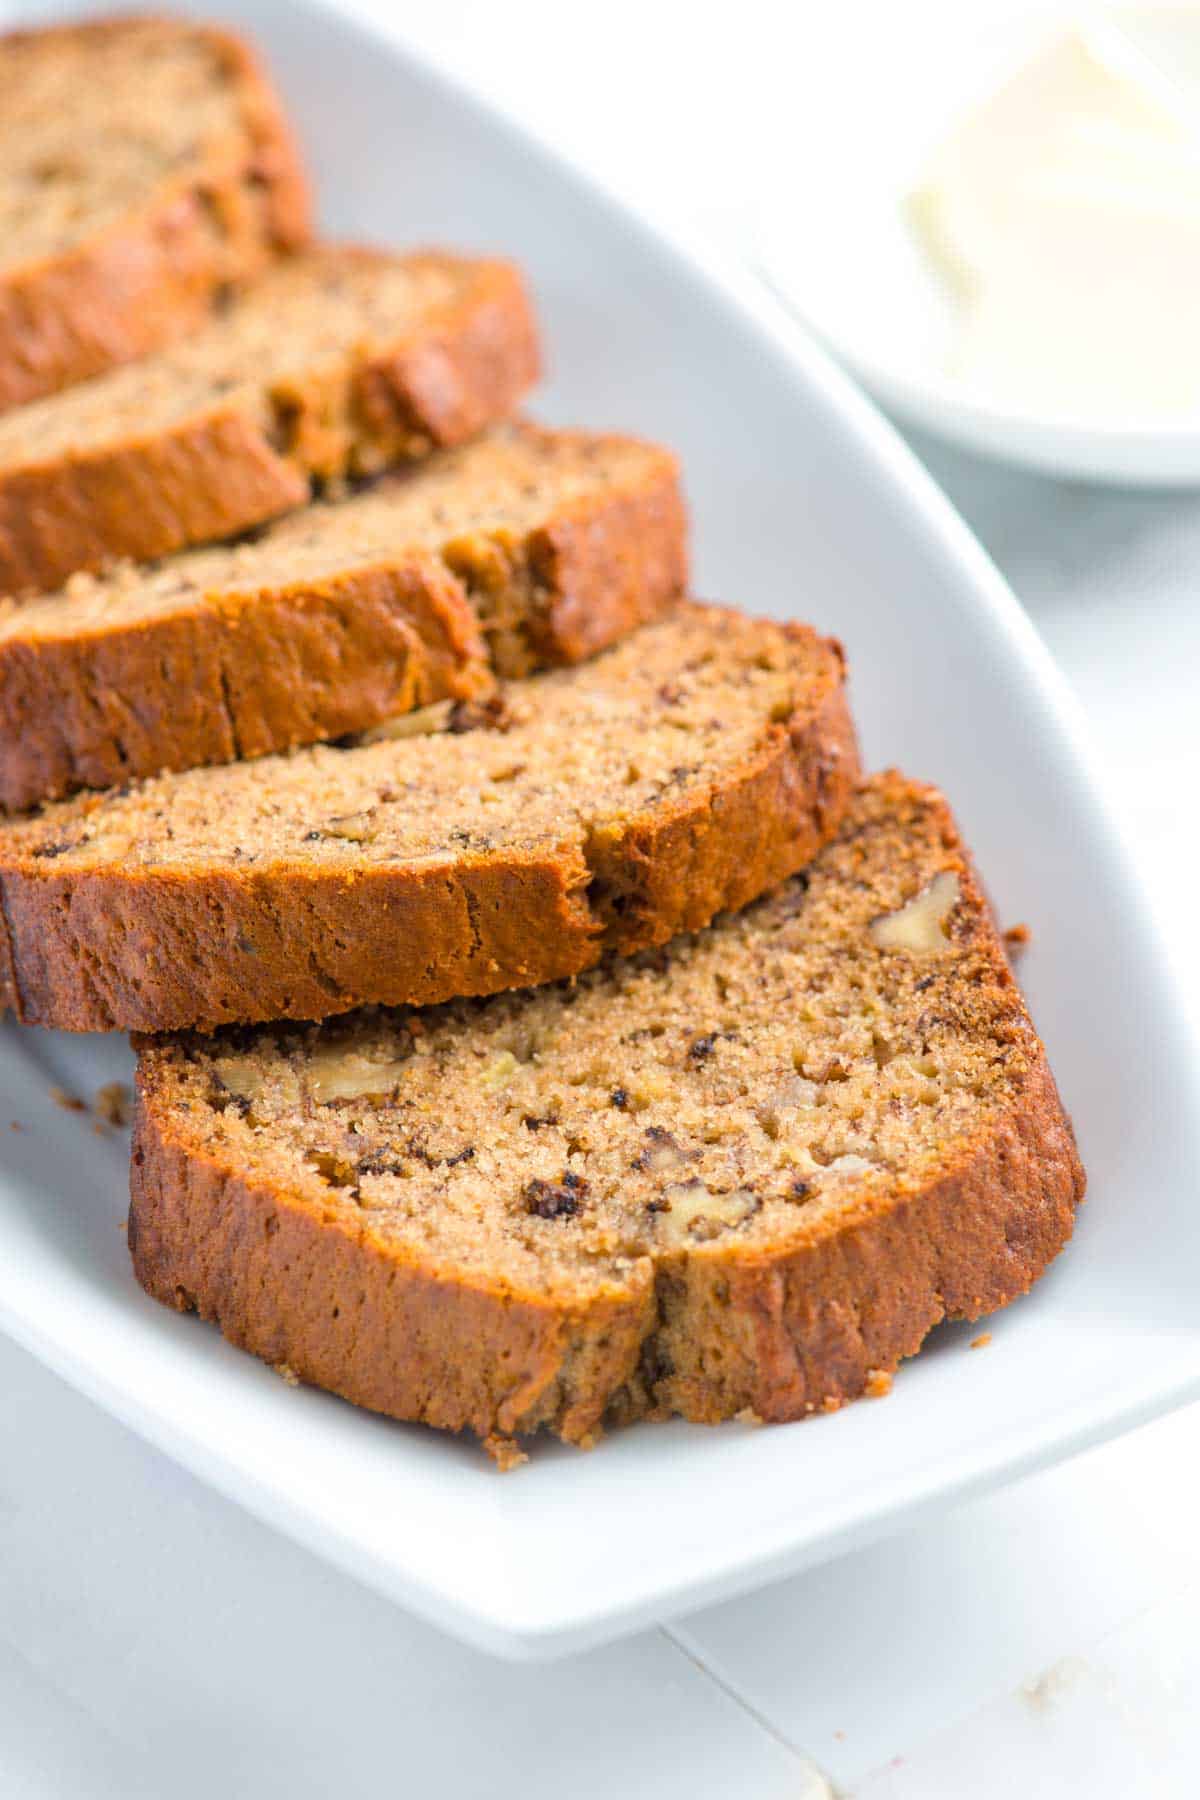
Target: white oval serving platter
(806, 505)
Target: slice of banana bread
(336, 363)
(145, 165)
(472, 848)
(746, 1172)
(523, 549)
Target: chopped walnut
(922, 926)
(353, 828)
(661, 1151)
(499, 1071)
(425, 721)
(694, 1211)
(338, 1074)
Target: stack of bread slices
(542, 1022)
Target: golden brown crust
(359, 1321)
(263, 671)
(708, 1333)
(142, 950)
(445, 384)
(226, 470)
(818, 1324)
(600, 570)
(126, 291)
(207, 479)
(718, 851)
(243, 674)
(159, 953)
(793, 1334)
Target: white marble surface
(154, 1640)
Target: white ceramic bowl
(833, 241)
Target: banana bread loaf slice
(748, 1171)
(336, 363)
(474, 847)
(523, 549)
(145, 165)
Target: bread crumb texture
(524, 549)
(336, 363)
(462, 849)
(146, 170)
(742, 1175)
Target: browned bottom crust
(137, 285)
(725, 1327)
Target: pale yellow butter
(1065, 212)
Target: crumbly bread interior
(840, 1044)
(549, 763)
(495, 489)
(298, 325)
(93, 120)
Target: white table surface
(155, 1641)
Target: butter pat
(1065, 212)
